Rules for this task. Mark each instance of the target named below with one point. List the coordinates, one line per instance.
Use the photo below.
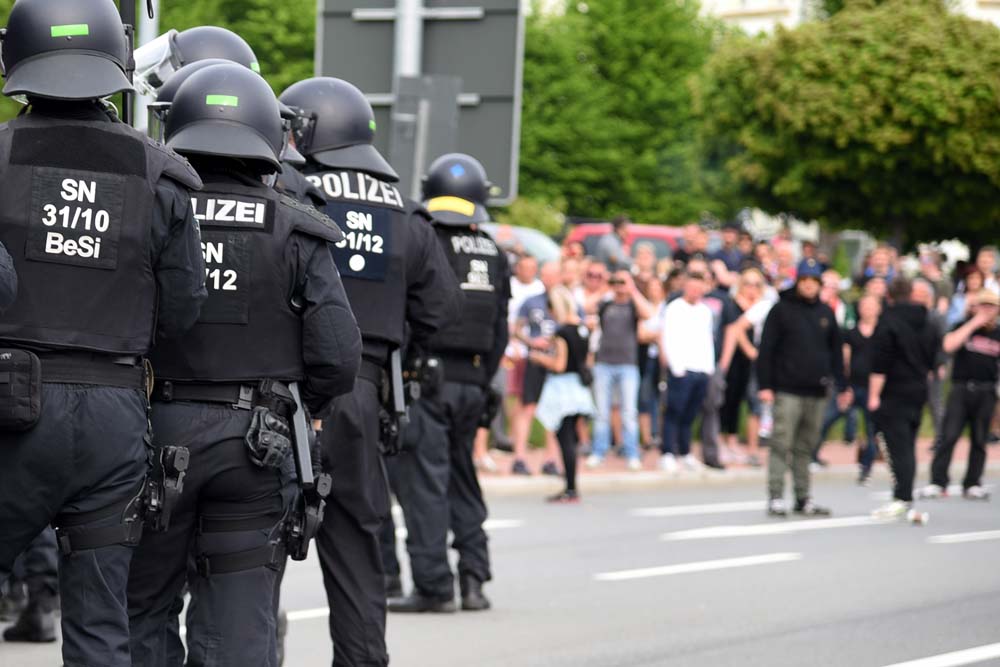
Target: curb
(539, 485)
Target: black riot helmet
(226, 111)
(341, 127)
(456, 190)
(65, 50)
(158, 61)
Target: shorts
(515, 377)
(534, 380)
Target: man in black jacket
(800, 356)
(905, 346)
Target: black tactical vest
(76, 202)
(249, 328)
(478, 265)
(372, 257)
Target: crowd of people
(757, 339)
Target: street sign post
(372, 43)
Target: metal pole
(409, 39)
(149, 29)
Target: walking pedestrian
(905, 349)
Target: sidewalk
(613, 475)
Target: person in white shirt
(687, 350)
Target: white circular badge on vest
(357, 263)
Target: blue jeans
(685, 396)
(621, 380)
(833, 413)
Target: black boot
(14, 602)
(37, 623)
(418, 603)
(472, 594)
(393, 586)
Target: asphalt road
(697, 576)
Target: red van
(664, 238)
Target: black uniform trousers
(972, 404)
(898, 421)
(38, 566)
(347, 541)
(436, 485)
(85, 454)
(229, 505)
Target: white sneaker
(634, 464)
(693, 464)
(932, 491)
(594, 461)
(976, 493)
(815, 468)
(897, 509)
(668, 463)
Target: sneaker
(551, 469)
(668, 463)
(808, 508)
(932, 491)
(715, 465)
(692, 464)
(486, 464)
(594, 461)
(864, 478)
(817, 466)
(634, 464)
(519, 468)
(897, 509)
(776, 507)
(976, 493)
(564, 498)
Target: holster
(164, 486)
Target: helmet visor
(156, 120)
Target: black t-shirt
(861, 356)
(977, 359)
(576, 336)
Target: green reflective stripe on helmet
(371, 125)
(70, 30)
(255, 66)
(223, 100)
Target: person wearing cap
(276, 315)
(99, 223)
(976, 346)
(727, 261)
(799, 359)
(905, 349)
(402, 290)
(434, 477)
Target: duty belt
(78, 367)
(976, 385)
(240, 396)
(464, 367)
(372, 372)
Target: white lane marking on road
(694, 510)
(954, 659)
(774, 528)
(702, 566)
(958, 538)
(488, 525)
(308, 614)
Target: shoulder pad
(308, 220)
(173, 165)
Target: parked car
(665, 239)
(532, 241)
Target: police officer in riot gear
(434, 480)
(276, 314)
(396, 277)
(99, 223)
(157, 61)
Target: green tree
(883, 117)
(607, 121)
